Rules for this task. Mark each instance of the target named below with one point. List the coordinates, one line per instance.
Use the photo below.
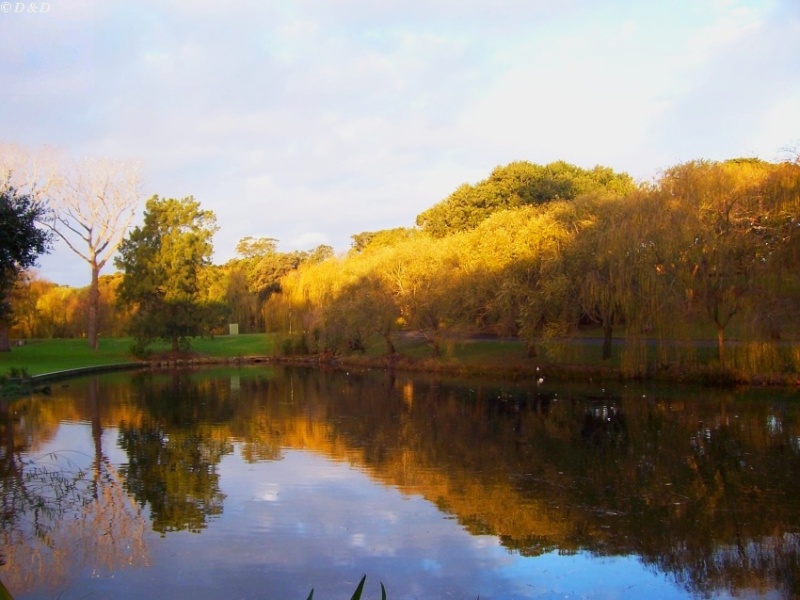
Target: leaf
(311, 595)
(383, 592)
(359, 589)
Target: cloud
(314, 121)
(735, 94)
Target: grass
(48, 356)
(693, 362)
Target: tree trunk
(721, 345)
(97, 436)
(94, 304)
(390, 345)
(435, 343)
(175, 343)
(5, 345)
(608, 331)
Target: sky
(310, 121)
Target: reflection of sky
(306, 521)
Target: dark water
(267, 482)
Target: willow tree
(777, 226)
(94, 202)
(422, 276)
(715, 235)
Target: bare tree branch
(93, 202)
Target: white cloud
(309, 122)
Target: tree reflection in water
(699, 485)
(50, 501)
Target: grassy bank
(47, 356)
(578, 358)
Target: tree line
(710, 247)
(535, 252)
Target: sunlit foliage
(514, 185)
(538, 253)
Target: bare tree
(32, 173)
(93, 204)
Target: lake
(268, 481)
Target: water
(266, 482)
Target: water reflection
(61, 509)
(696, 485)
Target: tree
(250, 247)
(162, 262)
(534, 296)
(777, 226)
(728, 229)
(358, 311)
(421, 275)
(604, 262)
(93, 205)
(374, 240)
(514, 185)
(22, 243)
(31, 173)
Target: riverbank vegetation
(693, 275)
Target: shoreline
(701, 376)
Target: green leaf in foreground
(357, 594)
(359, 589)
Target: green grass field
(48, 356)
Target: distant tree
(114, 319)
(22, 243)
(94, 202)
(379, 239)
(514, 185)
(266, 268)
(58, 312)
(250, 247)
(162, 262)
(23, 298)
(320, 253)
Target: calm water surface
(265, 482)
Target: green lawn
(47, 356)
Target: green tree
(22, 243)
(379, 239)
(162, 262)
(250, 247)
(514, 185)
